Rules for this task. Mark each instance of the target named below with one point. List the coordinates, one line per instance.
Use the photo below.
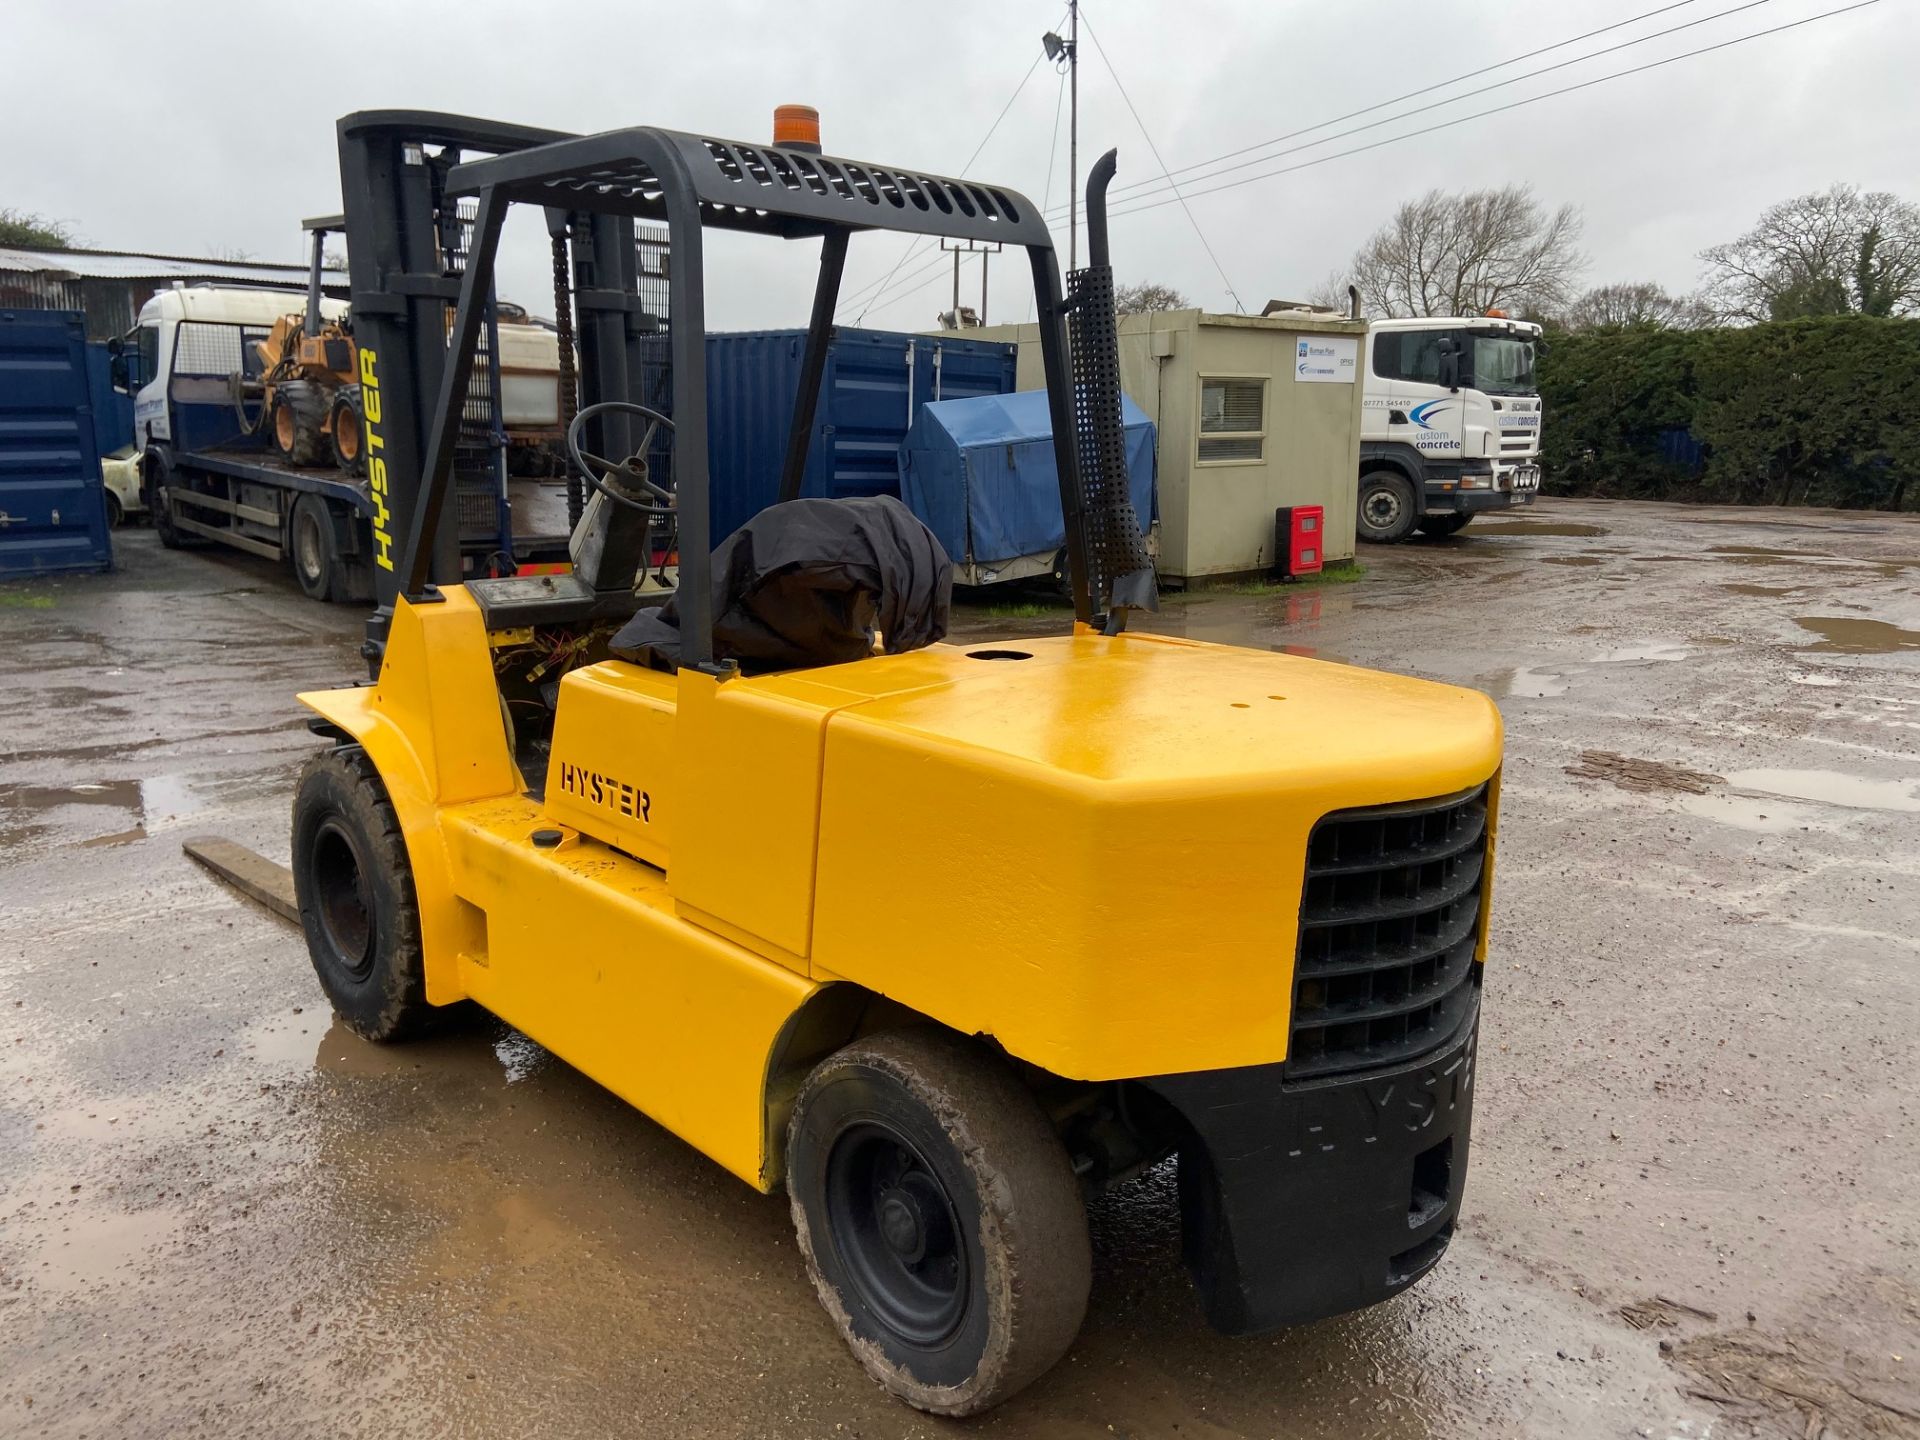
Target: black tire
(940, 1219)
(347, 432)
(115, 514)
(357, 906)
(312, 551)
(1386, 511)
(1441, 526)
(294, 420)
(160, 504)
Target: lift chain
(569, 382)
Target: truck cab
(1450, 423)
(222, 323)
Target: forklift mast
(407, 241)
(403, 173)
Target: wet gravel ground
(1692, 1209)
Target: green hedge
(1798, 412)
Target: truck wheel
(357, 906)
(939, 1217)
(1441, 526)
(347, 432)
(299, 409)
(115, 515)
(311, 548)
(1386, 507)
(160, 504)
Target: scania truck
(1450, 423)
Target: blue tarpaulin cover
(980, 473)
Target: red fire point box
(1296, 539)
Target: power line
(1502, 109)
(1198, 232)
(1053, 153)
(1004, 109)
(1154, 204)
(1156, 187)
(1411, 94)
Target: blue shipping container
(875, 382)
(53, 509)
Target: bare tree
(1462, 254)
(1144, 297)
(1829, 253)
(1644, 304)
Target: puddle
(1843, 635)
(1526, 683)
(1832, 787)
(1754, 550)
(1762, 591)
(1763, 814)
(519, 1057)
(33, 812)
(1646, 650)
(78, 1248)
(1571, 560)
(1540, 527)
(1665, 559)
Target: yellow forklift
(943, 940)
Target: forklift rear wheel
(310, 545)
(357, 905)
(115, 515)
(939, 1217)
(1441, 526)
(1386, 507)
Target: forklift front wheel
(939, 1217)
(357, 905)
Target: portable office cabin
(1254, 412)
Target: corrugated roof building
(110, 286)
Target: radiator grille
(1389, 920)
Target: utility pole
(1069, 50)
(1073, 134)
(971, 247)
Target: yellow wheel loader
(942, 940)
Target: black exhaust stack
(1119, 571)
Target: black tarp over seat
(811, 582)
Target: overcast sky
(194, 128)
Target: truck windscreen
(1503, 366)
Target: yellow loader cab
(941, 939)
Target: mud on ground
(1691, 1211)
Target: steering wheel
(632, 470)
